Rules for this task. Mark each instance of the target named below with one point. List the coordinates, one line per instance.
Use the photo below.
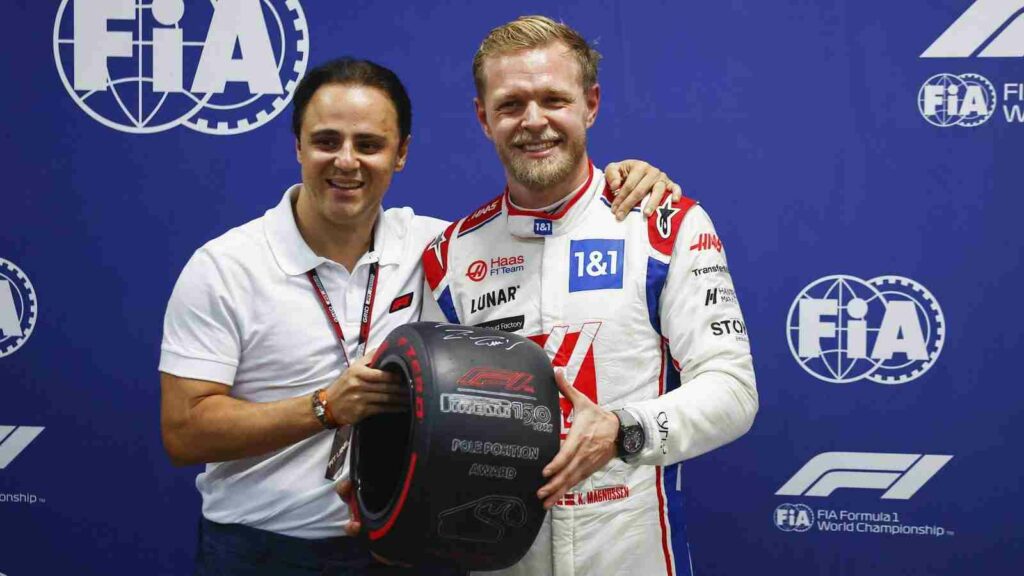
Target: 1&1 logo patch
(595, 265)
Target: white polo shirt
(243, 313)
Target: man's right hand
(362, 391)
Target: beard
(540, 174)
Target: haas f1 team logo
(571, 348)
(219, 67)
(843, 329)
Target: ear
(298, 150)
(403, 153)
(481, 117)
(593, 99)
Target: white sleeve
(201, 339)
(717, 398)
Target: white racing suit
(640, 314)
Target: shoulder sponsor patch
(664, 223)
(481, 216)
(705, 241)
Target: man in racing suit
(639, 316)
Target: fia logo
(145, 67)
(595, 264)
(998, 25)
(842, 329)
(18, 308)
(966, 100)
(794, 518)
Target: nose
(534, 119)
(345, 159)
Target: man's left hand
(632, 180)
(589, 445)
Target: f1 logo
(13, 440)
(900, 475)
(997, 23)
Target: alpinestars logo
(988, 29)
(900, 475)
(842, 329)
(14, 440)
(145, 67)
(18, 308)
(665, 213)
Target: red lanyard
(364, 320)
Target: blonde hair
(527, 32)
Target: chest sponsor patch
(595, 264)
(493, 298)
(401, 303)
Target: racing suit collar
(539, 223)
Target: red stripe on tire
(383, 530)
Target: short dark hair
(355, 72)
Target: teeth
(345, 185)
(538, 147)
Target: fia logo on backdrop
(219, 67)
(987, 29)
(888, 330)
(18, 308)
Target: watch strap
(322, 410)
(629, 426)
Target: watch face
(632, 441)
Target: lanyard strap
(332, 316)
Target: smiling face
(349, 148)
(535, 110)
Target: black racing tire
(457, 476)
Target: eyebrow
(330, 132)
(547, 92)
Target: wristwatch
(631, 438)
(320, 410)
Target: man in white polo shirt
(267, 330)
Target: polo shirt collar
(295, 257)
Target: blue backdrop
(831, 154)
